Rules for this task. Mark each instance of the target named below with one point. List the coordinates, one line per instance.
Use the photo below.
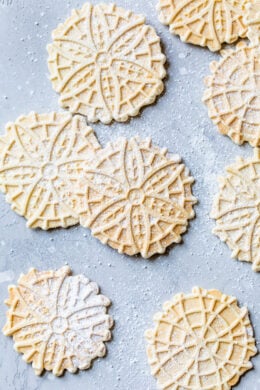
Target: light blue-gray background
(137, 287)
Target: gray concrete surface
(137, 287)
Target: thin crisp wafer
(57, 321)
(205, 22)
(201, 341)
(233, 94)
(42, 157)
(236, 209)
(106, 63)
(139, 197)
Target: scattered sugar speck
(183, 71)
(6, 276)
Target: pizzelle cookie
(204, 22)
(139, 197)
(252, 20)
(233, 94)
(57, 321)
(202, 340)
(106, 63)
(237, 210)
(42, 157)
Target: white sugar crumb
(183, 71)
(51, 249)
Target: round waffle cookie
(252, 20)
(201, 341)
(106, 63)
(139, 197)
(237, 210)
(233, 94)
(41, 161)
(204, 22)
(58, 322)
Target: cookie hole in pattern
(103, 59)
(136, 196)
(59, 325)
(49, 171)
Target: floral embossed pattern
(201, 340)
(233, 94)
(106, 63)
(139, 198)
(204, 22)
(42, 158)
(58, 322)
(237, 210)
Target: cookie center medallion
(103, 59)
(59, 325)
(136, 196)
(49, 171)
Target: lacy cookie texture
(205, 22)
(139, 197)
(106, 63)
(201, 341)
(57, 321)
(233, 94)
(42, 157)
(236, 210)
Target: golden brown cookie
(233, 94)
(106, 63)
(204, 22)
(139, 197)
(57, 321)
(42, 157)
(201, 341)
(237, 210)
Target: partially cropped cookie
(139, 197)
(236, 209)
(201, 341)
(58, 322)
(233, 94)
(252, 20)
(106, 63)
(204, 22)
(42, 157)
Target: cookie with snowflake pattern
(42, 157)
(252, 20)
(139, 197)
(233, 94)
(236, 210)
(204, 22)
(202, 340)
(106, 63)
(58, 322)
